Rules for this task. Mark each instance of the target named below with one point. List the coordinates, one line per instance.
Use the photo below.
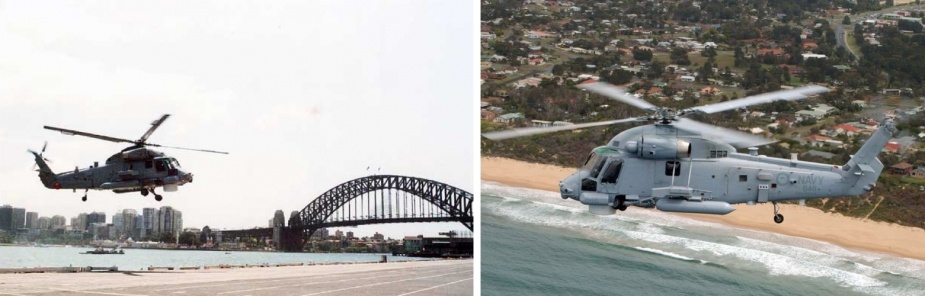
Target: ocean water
(135, 259)
(535, 243)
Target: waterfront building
(95, 217)
(139, 227)
(117, 224)
(150, 217)
(31, 217)
(43, 223)
(81, 222)
(169, 220)
(6, 218)
(19, 219)
(338, 234)
(58, 222)
(349, 234)
(128, 223)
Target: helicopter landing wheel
(84, 198)
(778, 218)
(144, 192)
(158, 197)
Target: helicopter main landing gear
(84, 198)
(144, 191)
(157, 197)
(778, 218)
(620, 203)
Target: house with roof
(902, 168)
(816, 140)
(509, 118)
(709, 90)
(847, 129)
(891, 147)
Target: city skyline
(111, 219)
(297, 116)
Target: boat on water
(101, 251)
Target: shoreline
(801, 221)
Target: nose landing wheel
(778, 218)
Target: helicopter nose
(570, 187)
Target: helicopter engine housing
(659, 147)
(140, 153)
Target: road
(451, 277)
(841, 33)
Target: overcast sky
(304, 95)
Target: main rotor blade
(79, 133)
(616, 93)
(786, 95)
(732, 137)
(181, 148)
(154, 126)
(529, 131)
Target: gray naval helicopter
(136, 168)
(681, 165)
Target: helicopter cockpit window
(176, 164)
(160, 165)
(612, 172)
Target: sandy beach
(800, 221)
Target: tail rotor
(39, 155)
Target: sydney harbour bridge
(374, 199)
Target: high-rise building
(378, 236)
(31, 217)
(116, 229)
(96, 217)
(81, 222)
(43, 223)
(6, 218)
(128, 223)
(58, 222)
(19, 218)
(349, 234)
(150, 221)
(169, 220)
(338, 234)
(139, 227)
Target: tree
(642, 54)
(846, 20)
(189, 238)
(679, 56)
(166, 237)
(709, 52)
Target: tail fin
(45, 174)
(865, 164)
(40, 161)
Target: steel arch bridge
(380, 199)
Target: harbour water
(135, 259)
(535, 243)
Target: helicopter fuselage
(127, 171)
(678, 171)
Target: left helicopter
(135, 168)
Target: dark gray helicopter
(136, 168)
(682, 165)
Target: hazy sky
(304, 94)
